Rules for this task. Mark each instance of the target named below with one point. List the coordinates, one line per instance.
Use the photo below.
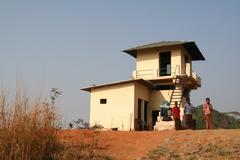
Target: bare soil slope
(187, 144)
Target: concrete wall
(121, 107)
(157, 97)
(147, 59)
(147, 63)
(119, 110)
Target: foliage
(221, 120)
(81, 124)
(156, 153)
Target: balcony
(153, 74)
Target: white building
(163, 73)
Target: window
(165, 63)
(103, 101)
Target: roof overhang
(191, 47)
(144, 82)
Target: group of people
(188, 111)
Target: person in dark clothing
(176, 116)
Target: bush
(81, 124)
(220, 120)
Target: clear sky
(73, 44)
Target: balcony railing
(197, 78)
(165, 73)
(145, 74)
(154, 73)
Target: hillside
(216, 144)
(235, 115)
(229, 120)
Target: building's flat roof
(191, 47)
(144, 82)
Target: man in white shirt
(188, 111)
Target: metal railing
(177, 68)
(155, 73)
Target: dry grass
(28, 130)
(210, 147)
(217, 144)
(82, 144)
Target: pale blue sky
(73, 44)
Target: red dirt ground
(135, 145)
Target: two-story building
(163, 73)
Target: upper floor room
(165, 59)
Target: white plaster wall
(119, 110)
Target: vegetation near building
(221, 120)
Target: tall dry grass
(28, 129)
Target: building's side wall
(147, 59)
(119, 110)
(158, 97)
(141, 92)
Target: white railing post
(179, 73)
(188, 69)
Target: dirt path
(188, 144)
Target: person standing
(176, 116)
(188, 111)
(208, 114)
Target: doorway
(146, 115)
(139, 116)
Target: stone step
(164, 125)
